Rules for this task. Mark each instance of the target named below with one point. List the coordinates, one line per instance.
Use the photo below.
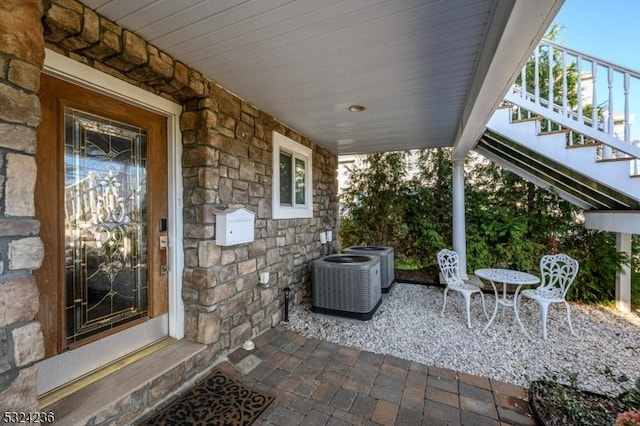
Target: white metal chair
(557, 273)
(448, 263)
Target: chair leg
(516, 307)
(467, 303)
(569, 319)
(484, 307)
(446, 290)
(544, 308)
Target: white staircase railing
(562, 89)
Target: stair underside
(581, 187)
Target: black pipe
(286, 304)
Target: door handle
(164, 245)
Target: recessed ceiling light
(356, 108)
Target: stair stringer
(582, 160)
(557, 177)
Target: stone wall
(227, 162)
(21, 250)
(226, 159)
(78, 32)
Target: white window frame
(297, 150)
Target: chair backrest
(557, 272)
(448, 264)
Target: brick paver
(363, 406)
(325, 392)
(385, 413)
(321, 383)
(448, 398)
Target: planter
(427, 275)
(553, 403)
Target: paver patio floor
(320, 383)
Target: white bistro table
(506, 277)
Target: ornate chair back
(557, 273)
(448, 264)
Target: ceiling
(429, 72)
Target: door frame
(67, 69)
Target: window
(291, 179)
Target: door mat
(217, 400)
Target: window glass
(106, 224)
(285, 179)
(301, 171)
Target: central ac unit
(346, 285)
(387, 274)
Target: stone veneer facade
(227, 151)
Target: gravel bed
(408, 325)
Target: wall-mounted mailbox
(234, 226)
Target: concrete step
(132, 391)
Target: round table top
(507, 276)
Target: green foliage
(635, 268)
(510, 222)
(599, 264)
(372, 200)
(553, 77)
(631, 398)
(407, 266)
(428, 191)
(569, 404)
(505, 220)
(546, 74)
(559, 400)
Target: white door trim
(67, 69)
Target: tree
(427, 206)
(510, 222)
(370, 204)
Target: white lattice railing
(590, 99)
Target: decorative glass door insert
(105, 192)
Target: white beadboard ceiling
(418, 66)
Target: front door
(101, 198)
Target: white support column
(623, 280)
(459, 231)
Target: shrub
(404, 200)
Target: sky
(608, 29)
